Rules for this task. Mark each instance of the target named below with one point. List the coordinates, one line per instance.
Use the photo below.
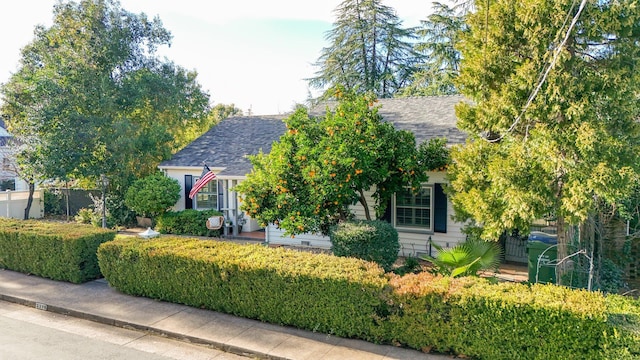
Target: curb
(133, 326)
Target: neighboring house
(418, 218)
(9, 179)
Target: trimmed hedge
(316, 292)
(474, 317)
(187, 222)
(368, 240)
(53, 250)
(354, 298)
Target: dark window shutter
(439, 209)
(188, 184)
(220, 197)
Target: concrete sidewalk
(96, 301)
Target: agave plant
(466, 259)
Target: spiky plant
(466, 259)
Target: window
(414, 210)
(207, 197)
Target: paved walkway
(96, 301)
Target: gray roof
(427, 117)
(227, 144)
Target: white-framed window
(207, 197)
(414, 210)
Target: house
(418, 218)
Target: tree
(439, 34)
(369, 50)
(91, 97)
(152, 195)
(553, 124)
(323, 165)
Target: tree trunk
(564, 236)
(27, 210)
(363, 201)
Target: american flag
(207, 175)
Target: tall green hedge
(351, 297)
(58, 251)
(316, 292)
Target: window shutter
(439, 209)
(188, 184)
(220, 196)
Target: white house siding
(411, 243)
(178, 173)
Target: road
(27, 333)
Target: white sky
(252, 53)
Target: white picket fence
(13, 203)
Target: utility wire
(546, 73)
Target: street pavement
(31, 334)
(97, 301)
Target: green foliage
(455, 315)
(576, 145)
(369, 50)
(53, 202)
(86, 216)
(410, 265)
(466, 259)
(187, 222)
(91, 96)
(439, 35)
(375, 241)
(58, 251)
(152, 195)
(322, 166)
(351, 297)
(315, 292)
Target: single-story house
(418, 218)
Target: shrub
(466, 259)
(53, 202)
(350, 297)
(474, 317)
(53, 250)
(187, 222)
(368, 240)
(316, 292)
(152, 195)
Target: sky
(255, 54)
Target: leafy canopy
(369, 50)
(322, 165)
(153, 195)
(576, 146)
(91, 97)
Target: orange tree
(322, 165)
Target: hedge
(483, 320)
(371, 240)
(354, 298)
(316, 292)
(187, 222)
(56, 251)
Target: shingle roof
(427, 117)
(227, 144)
